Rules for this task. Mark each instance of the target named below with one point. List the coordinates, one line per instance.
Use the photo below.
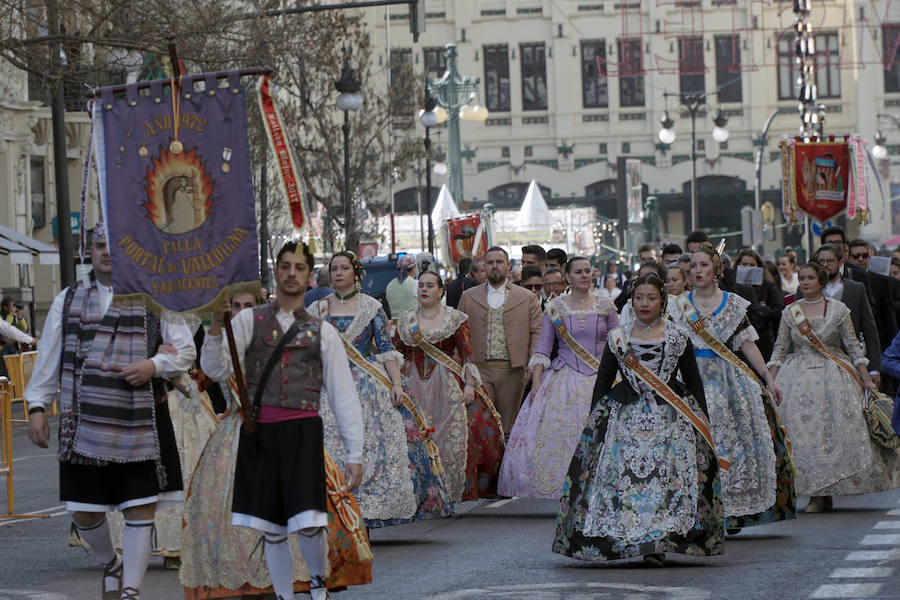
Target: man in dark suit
(884, 291)
(836, 235)
(853, 294)
(464, 281)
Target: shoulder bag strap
(270, 364)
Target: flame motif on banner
(179, 191)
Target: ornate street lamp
(349, 100)
(454, 92)
(691, 102)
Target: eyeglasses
(859, 256)
(533, 286)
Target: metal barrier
(6, 459)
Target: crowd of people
(663, 408)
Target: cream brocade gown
(822, 409)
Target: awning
(18, 244)
(19, 255)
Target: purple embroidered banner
(176, 190)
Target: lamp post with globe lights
(430, 116)
(455, 92)
(349, 99)
(692, 102)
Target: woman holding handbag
(823, 395)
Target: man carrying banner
(279, 482)
(117, 447)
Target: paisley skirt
(640, 482)
(399, 484)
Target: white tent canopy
(534, 214)
(444, 208)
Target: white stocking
(136, 551)
(280, 561)
(98, 538)
(313, 545)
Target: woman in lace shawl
(759, 486)
(642, 482)
(822, 404)
(467, 427)
(399, 483)
(553, 415)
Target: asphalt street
(501, 550)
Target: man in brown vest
(504, 321)
(279, 487)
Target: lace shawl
(674, 342)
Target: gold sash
(634, 365)
(804, 327)
(360, 361)
(441, 357)
(579, 350)
(346, 508)
(697, 324)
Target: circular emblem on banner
(179, 191)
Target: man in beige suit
(504, 321)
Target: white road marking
(56, 513)
(887, 525)
(860, 555)
(35, 456)
(860, 572)
(500, 503)
(847, 590)
(882, 539)
(894, 512)
(30, 595)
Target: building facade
(572, 86)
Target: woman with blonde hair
(759, 487)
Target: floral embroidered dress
(822, 408)
(552, 417)
(470, 437)
(759, 486)
(642, 481)
(398, 483)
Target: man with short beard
(853, 294)
(504, 321)
(289, 357)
